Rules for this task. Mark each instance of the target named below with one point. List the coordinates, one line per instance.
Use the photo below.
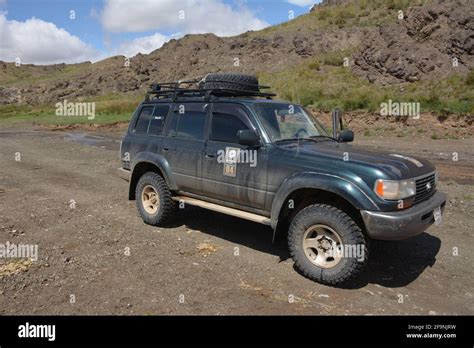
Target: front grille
(422, 191)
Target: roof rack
(175, 91)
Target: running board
(224, 210)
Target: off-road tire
(231, 81)
(349, 233)
(167, 206)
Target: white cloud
(35, 41)
(143, 45)
(200, 16)
(303, 3)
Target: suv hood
(393, 165)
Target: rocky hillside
(426, 44)
(381, 49)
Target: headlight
(391, 189)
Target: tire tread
(168, 206)
(353, 268)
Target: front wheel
(327, 245)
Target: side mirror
(346, 136)
(248, 138)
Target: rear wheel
(154, 200)
(327, 245)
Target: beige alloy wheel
(150, 200)
(322, 246)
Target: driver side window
(226, 121)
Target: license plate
(437, 216)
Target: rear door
(232, 172)
(184, 144)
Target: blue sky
(42, 32)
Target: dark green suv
(226, 146)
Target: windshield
(287, 121)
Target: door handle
(166, 149)
(210, 155)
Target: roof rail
(175, 91)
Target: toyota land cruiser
(225, 145)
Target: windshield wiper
(313, 137)
(294, 139)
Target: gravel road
(96, 256)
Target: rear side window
(189, 124)
(144, 119)
(158, 119)
(226, 124)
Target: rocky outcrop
(431, 41)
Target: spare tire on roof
(239, 82)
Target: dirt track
(83, 251)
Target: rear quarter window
(143, 120)
(158, 119)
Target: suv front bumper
(405, 223)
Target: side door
(183, 145)
(233, 172)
